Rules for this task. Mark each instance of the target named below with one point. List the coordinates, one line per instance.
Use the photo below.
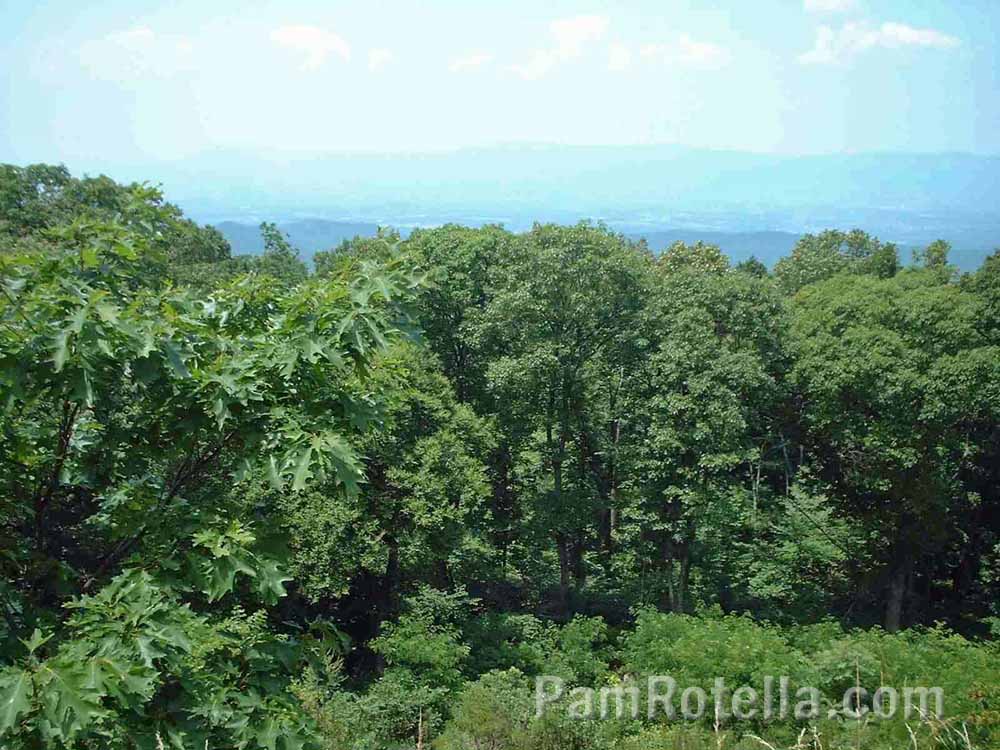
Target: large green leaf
(270, 581)
(16, 690)
(302, 470)
(175, 360)
(222, 574)
(60, 350)
(70, 703)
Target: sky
(136, 82)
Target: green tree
(562, 300)
(752, 266)
(872, 360)
(818, 257)
(42, 197)
(701, 413)
(132, 408)
(463, 260)
(423, 510)
(935, 255)
(280, 260)
(381, 246)
(697, 257)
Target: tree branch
(185, 472)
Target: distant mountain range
(308, 235)
(312, 235)
(767, 247)
(750, 200)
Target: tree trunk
(896, 596)
(562, 547)
(390, 593)
(385, 602)
(616, 436)
(682, 581)
(671, 592)
(579, 569)
(503, 503)
(443, 575)
(604, 528)
(677, 565)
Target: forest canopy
(362, 502)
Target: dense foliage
(247, 503)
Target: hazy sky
(132, 81)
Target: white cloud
(137, 52)
(701, 54)
(379, 58)
(619, 57)
(537, 66)
(571, 34)
(570, 37)
(687, 52)
(138, 38)
(899, 34)
(314, 43)
(469, 62)
(829, 6)
(824, 50)
(834, 46)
